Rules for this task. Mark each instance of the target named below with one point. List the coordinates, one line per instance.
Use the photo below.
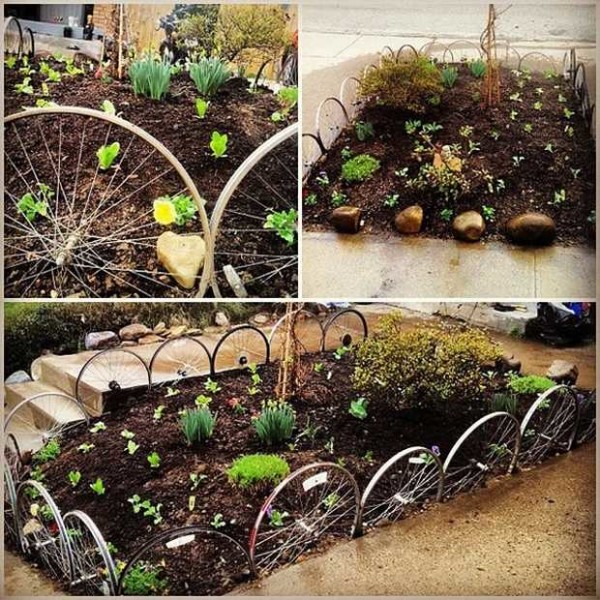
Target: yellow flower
(164, 212)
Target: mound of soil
(551, 160)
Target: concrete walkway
(528, 535)
(381, 266)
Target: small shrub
(406, 85)
(198, 425)
(275, 422)
(423, 366)
(209, 75)
(360, 168)
(150, 78)
(530, 384)
(450, 184)
(144, 580)
(254, 469)
(449, 76)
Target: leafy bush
(209, 75)
(448, 183)
(275, 422)
(360, 168)
(423, 366)
(196, 26)
(405, 84)
(253, 469)
(150, 78)
(198, 424)
(530, 384)
(144, 580)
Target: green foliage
(24, 87)
(149, 510)
(107, 154)
(275, 423)
(198, 25)
(98, 487)
(108, 107)
(31, 205)
(150, 78)
(10, 61)
(559, 197)
(530, 384)
(197, 479)
(488, 212)
(505, 402)
(50, 451)
(85, 448)
(277, 518)
(364, 130)
(218, 144)
(198, 425)
(446, 214)
(209, 75)
(478, 68)
(144, 579)
(154, 460)
(284, 223)
(288, 98)
(423, 366)
(449, 76)
(131, 447)
(338, 198)
(158, 412)
(358, 408)
(391, 200)
(201, 107)
(442, 181)
(212, 386)
(98, 427)
(360, 168)
(254, 469)
(311, 200)
(128, 435)
(74, 478)
(217, 521)
(403, 84)
(202, 401)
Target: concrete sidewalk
(530, 534)
(378, 266)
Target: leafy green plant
(318, 367)
(412, 126)
(311, 200)
(517, 160)
(254, 469)
(31, 205)
(158, 412)
(150, 78)
(446, 214)
(98, 487)
(473, 147)
(516, 97)
(72, 70)
(466, 131)
(505, 402)
(364, 130)
(449, 76)
(98, 427)
(537, 105)
(202, 401)
(107, 154)
(218, 144)
(331, 500)
(530, 384)
(549, 148)
(322, 178)
(182, 211)
(128, 435)
(478, 68)
(275, 423)
(528, 128)
(284, 223)
(212, 386)
(10, 62)
(217, 521)
(358, 408)
(201, 107)
(443, 181)
(74, 478)
(149, 510)
(569, 131)
(154, 460)
(488, 212)
(197, 479)
(338, 198)
(209, 75)
(131, 447)
(49, 451)
(360, 168)
(276, 518)
(341, 351)
(513, 115)
(198, 425)
(391, 200)
(85, 448)
(144, 579)
(288, 97)
(309, 432)
(575, 173)
(495, 135)
(560, 196)
(561, 99)
(403, 84)
(567, 113)
(24, 87)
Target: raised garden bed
(533, 152)
(116, 255)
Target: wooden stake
(120, 59)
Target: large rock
(134, 332)
(261, 319)
(150, 339)
(182, 256)
(36, 368)
(176, 331)
(221, 319)
(346, 219)
(532, 229)
(563, 371)
(160, 328)
(468, 226)
(409, 220)
(507, 362)
(18, 377)
(99, 340)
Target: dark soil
(528, 187)
(243, 115)
(324, 400)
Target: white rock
(182, 256)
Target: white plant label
(180, 541)
(416, 460)
(315, 480)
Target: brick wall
(103, 15)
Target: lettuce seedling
(154, 460)
(30, 207)
(218, 144)
(201, 107)
(74, 478)
(358, 408)
(24, 87)
(132, 447)
(108, 107)
(98, 487)
(284, 223)
(107, 154)
(10, 62)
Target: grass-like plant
(275, 422)
(360, 168)
(254, 469)
(449, 76)
(209, 75)
(478, 68)
(198, 424)
(150, 78)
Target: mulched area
(550, 158)
(243, 115)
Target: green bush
(360, 168)
(404, 84)
(275, 422)
(198, 25)
(254, 469)
(144, 580)
(530, 384)
(150, 77)
(198, 424)
(209, 75)
(427, 365)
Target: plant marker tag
(416, 460)
(315, 480)
(180, 541)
